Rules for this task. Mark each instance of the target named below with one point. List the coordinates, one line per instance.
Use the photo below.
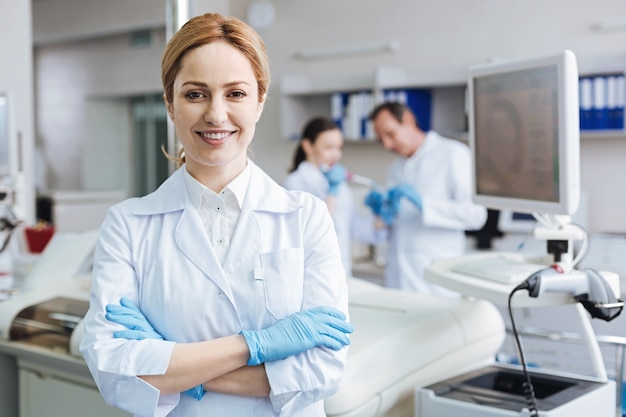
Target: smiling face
(325, 150)
(215, 107)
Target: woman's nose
(215, 112)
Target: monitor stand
(560, 234)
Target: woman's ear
(260, 106)
(306, 145)
(169, 108)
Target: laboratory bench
(40, 332)
(51, 384)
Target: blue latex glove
(375, 201)
(335, 176)
(297, 333)
(407, 191)
(389, 211)
(130, 316)
(196, 392)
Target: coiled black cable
(529, 391)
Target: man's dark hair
(396, 109)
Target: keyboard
(497, 268)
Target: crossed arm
(233, 364)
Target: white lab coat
(307, 177)
(284, 258)
(440, 171)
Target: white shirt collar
(238, 186)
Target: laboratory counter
(402, 340)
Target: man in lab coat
(428, 204)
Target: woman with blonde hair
(221, 293)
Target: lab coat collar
(430, 141)
(263, 195)
(171, 196)
(197, 190)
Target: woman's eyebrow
(203, 84)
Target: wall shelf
(305, 97)
(603, 134)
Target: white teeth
(215, 135)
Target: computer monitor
(524, 134)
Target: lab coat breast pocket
(283, 279)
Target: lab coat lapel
(172, 198)
(246, 241)
(194, 243)
(263, 195)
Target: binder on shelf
(367, 105)
(420, 101)
(620, 98)
(351, 113)
(337, 105)
(585, 102)
(402, 97)
(611, 100)
(349, 122)
(599, 109)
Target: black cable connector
(557, 248)
(532, 285)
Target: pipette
(360, 179)
(354, 178)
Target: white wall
(81, 91)
(69, 20)
(16, 72)
(450, 34)
(447, 34)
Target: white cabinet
(305, 97)
(54, 393)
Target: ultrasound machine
(524, 138)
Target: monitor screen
(524, 134)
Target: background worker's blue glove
(297, 333)
(404, 190)
(389, 211)
(375, 201)
(130, 316)
(335, 176)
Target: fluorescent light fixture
(609, 25)
(347, 50)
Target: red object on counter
(37, 237)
